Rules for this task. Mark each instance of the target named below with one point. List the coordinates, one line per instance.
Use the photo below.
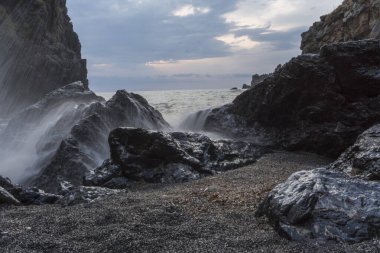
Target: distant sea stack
(353, 20)
(39, 52)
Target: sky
(189, 44)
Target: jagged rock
(324, 205)
(26, 196)
(352, 20)
(256, 79)
(152, 156)
(245, 86)
(39, 51)
(85, 146)
(316, 103)
(72, 195)
(7, 198)
(363, 158)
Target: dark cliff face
(39, 52)
(352, 20)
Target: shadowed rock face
(39, 52)
(352, 20)
(138, 154)
(317, 103)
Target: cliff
(352, 20)
(39, 52)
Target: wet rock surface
(324, 205)
(151, 156)
(363, 158)
(40, 52)
(352, 20)
(316, 103)
(85, 146)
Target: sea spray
(195, 122)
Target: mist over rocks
(85, 146)
(39, 52)
(352, 20)
(157, 157)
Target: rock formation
(353, 20)
(318, 103)
(324, 205)
(256, 79)
(77, 141)
(39, 52)
(157, 157)
(338, 203)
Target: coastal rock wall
(352, 20)
(316, 103)
(39, 52)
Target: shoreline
(214, 214)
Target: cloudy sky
(189, 44)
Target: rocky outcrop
(256, 79)
(317, 103)
(39, 52)
(324, 205)
(338, 203)
(157, 157)
(85, 146)
(352, 20)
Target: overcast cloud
(184, 44)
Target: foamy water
(177, 105)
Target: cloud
(189, 10)
(140, 41)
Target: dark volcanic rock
(26, 196)
(317, 103)
(352, 20)
(85, 146)
(39, 52)
(324, 205)
(139, 154)
(363, 158)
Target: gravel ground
(215, 214)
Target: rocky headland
(112, 176)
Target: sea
(177, 105)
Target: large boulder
(324, 205)
(317, 103)
(352, 20)
(157, 157)
(40, 52)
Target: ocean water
(177, 105)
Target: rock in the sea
(245, 86)
(324, 205)
(316, 103)
(352, 20)
(40, 52)
(85, 145)
(157, 157)
(363, 158)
